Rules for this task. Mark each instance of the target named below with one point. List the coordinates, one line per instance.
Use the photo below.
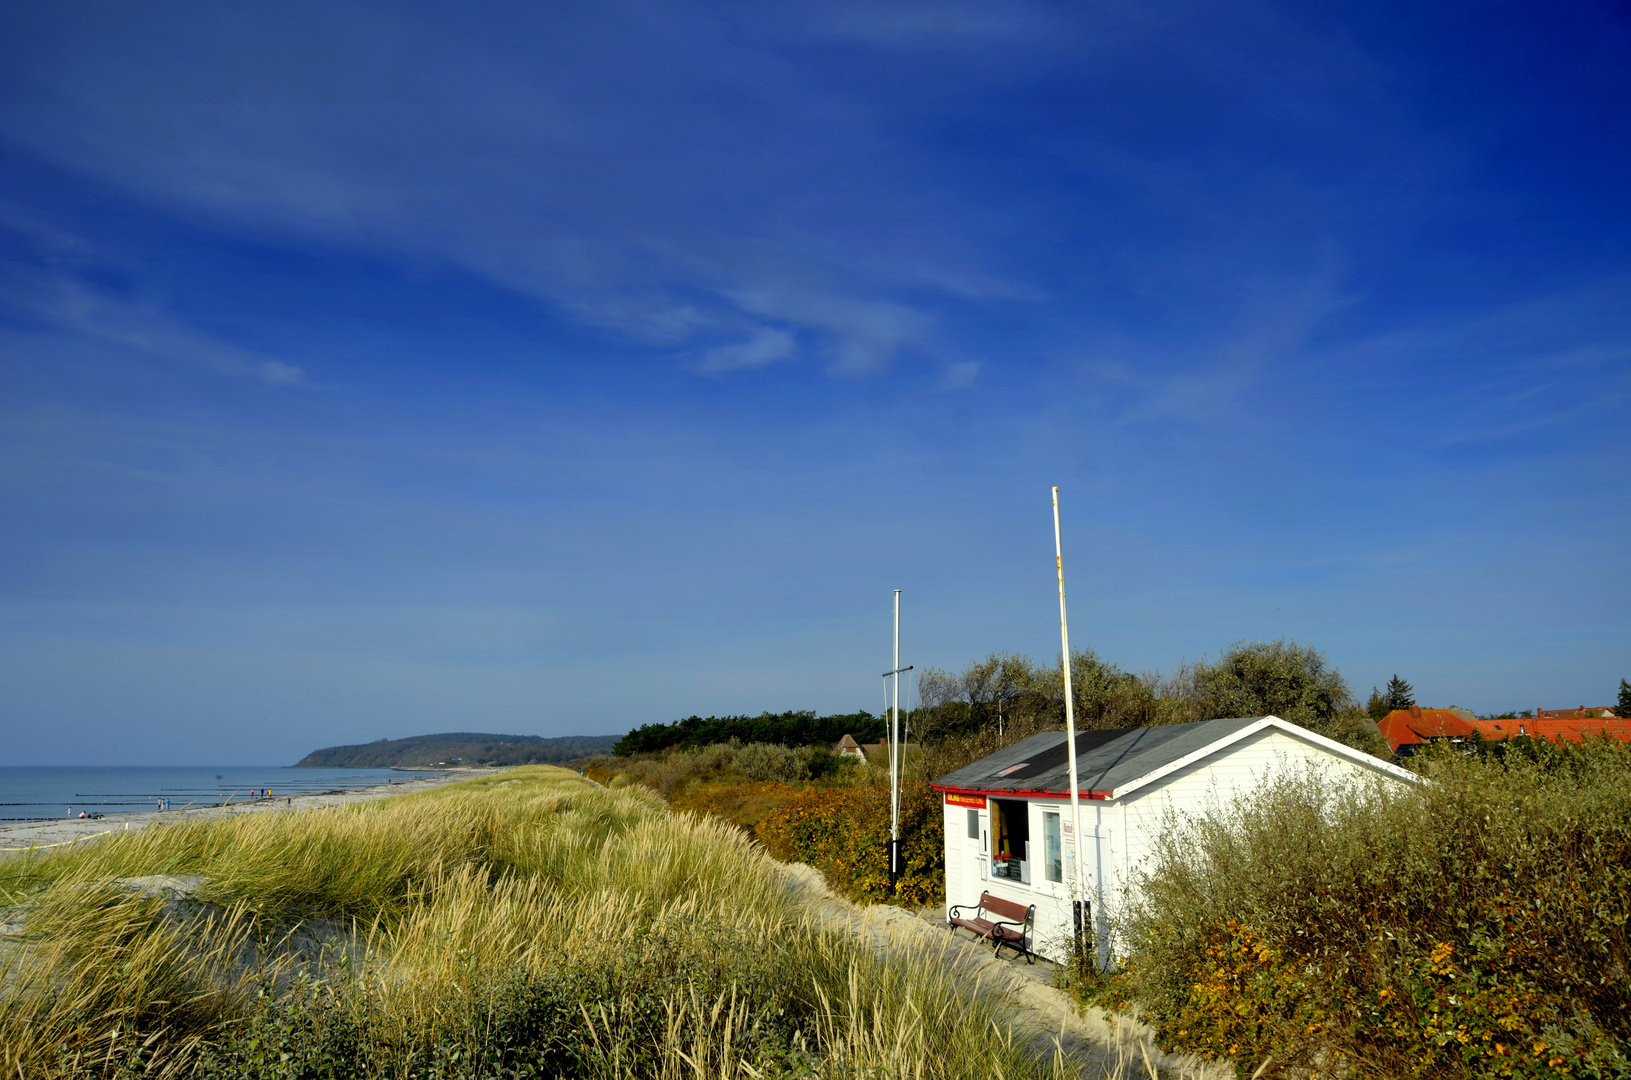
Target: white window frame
(1057, 839)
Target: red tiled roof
(1583, 712)
(1569, 729)
(1411, 727)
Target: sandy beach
(22, 835)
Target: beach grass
(524, 924)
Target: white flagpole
(896, 750)
(1070, 712)
(894, 737)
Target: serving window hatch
(1010, 839)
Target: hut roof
(1112, 763)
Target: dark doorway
(1010, 837)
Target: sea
(34, 793)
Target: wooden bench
(1001, 921)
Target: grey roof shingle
(1105, 760)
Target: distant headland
(457, 748)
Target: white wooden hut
(1008, 823)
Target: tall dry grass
(766, 762)
(522, 925)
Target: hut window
(1054, 850)
(973, 824)
(1010, 837)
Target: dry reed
(522, 925)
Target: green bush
(1474, 927)
(844, 833)
(755, 761)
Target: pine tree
(1625, 699)
(1399, 694)
(1377, 707)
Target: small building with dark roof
(1008, 820)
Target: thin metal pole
(1070, 708)
(894, 737)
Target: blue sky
(369, 370)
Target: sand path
(1119, 1045)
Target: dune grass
(526, 924)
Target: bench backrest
(1006, 909)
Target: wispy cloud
(1559, 362)
(765, 346)
(74, 306)
(922, 26)
(640, 204)
(863, 335)
(1070, 241)
(959, 375)
(154, 333)
(1215, 378)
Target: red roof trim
(1017, 794)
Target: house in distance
(1408, 730)
(1008, 819)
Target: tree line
(802, 728)
(990, 703)
(993, 702)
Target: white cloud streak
(59, 300)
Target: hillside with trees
(457, 748)
(791, 729)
